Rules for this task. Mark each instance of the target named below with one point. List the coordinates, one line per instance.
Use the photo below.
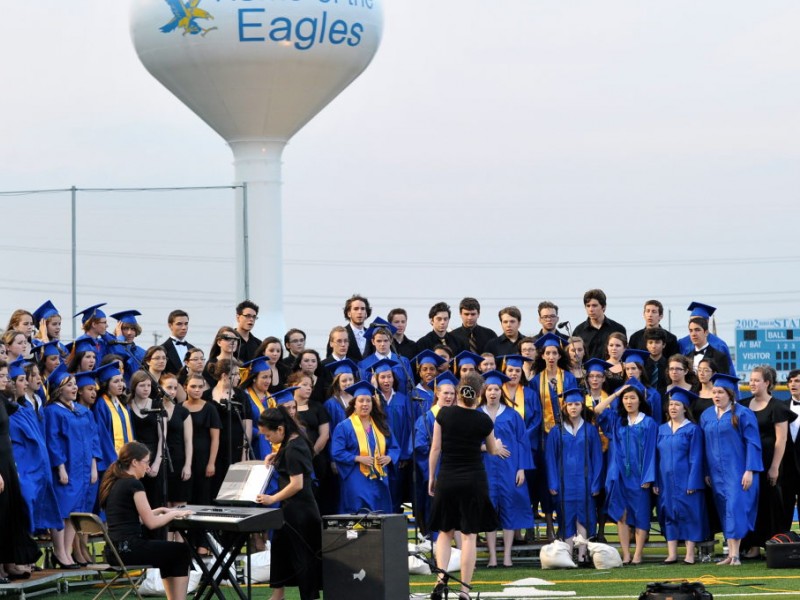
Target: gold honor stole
(363, 447)
(435, 410)
(121, 431)
(518, 400)
(590, 404)
(548, 418)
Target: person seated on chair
(123, 497)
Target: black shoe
(22, 575)
(670, 562)
(436, 594)
(4, 581)
(57, 564)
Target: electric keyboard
(230, 518)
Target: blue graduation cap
(513, 360)
(16, 368)
(467, 358)
(127, 316)
(285, 395)
(633, 355)
(445, 378)
(428, 357)
(572, 395)
(701, 310)
(383, 365)
(58, 376)
(85, 378)
(342, 366)
(107, 371)
(380, 323)
(596, 365)
(48, 349)
(257, 365)
(84, 343)
(45, 311)
(725, 381)
(549, 339)
(93, 312)
(634, 382)
(682, 395)
(495, 378)
(362, 388)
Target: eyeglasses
(253, 316)
(549, 317)
(704, 370)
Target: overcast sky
(514, 150)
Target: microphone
(118, 343)
(563, 324)
(151, 411)
(233, 402)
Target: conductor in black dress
(460, 490)
(296, 551)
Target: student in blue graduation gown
(47, 321)
(124, 343)
(362, 448)
(48, 356)
(733, 460)
(398, 414)
(631, 467)
(257, 377)
(720, 346)
(427, 364)
(111, 415)
(73, 453)
(595, 394)
(32, 459)
(633, 361)
(87, 396)
(445, 394)
(679, 481)
(381, 333)
(574, 469)
(506, 470)
(95, 327)
(553, 376)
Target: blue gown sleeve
(649, 454)
(392, 449)
(552, 449)
(521, 453)
(596, 457)
(696, 479)
(533, 408)
(344, 448)
(55, 442)
(752, 440)
(654, 400)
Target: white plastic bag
(259, 566)
(556, 556)
(603, 556)
(152, 585)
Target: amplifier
(365, 556)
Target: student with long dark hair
(297, 547)
(127, 509)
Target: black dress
(146, 429)
(769, 518)
(203, 421)
(16, 544)
(296, 555)
(312, 418)
(233, 435)
(462, 498)
(177, 488)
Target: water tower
(256, 71)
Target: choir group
(591, 426)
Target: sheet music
(244, 481)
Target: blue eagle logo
(185, 15)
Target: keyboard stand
(225, 549)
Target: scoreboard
(774, 342)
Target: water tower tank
(256, 71)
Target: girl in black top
(123, 497)
(461, 491)
(297, 547)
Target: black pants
(172, 558)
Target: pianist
(297, 546)
(124, 499)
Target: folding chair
(90, 524)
